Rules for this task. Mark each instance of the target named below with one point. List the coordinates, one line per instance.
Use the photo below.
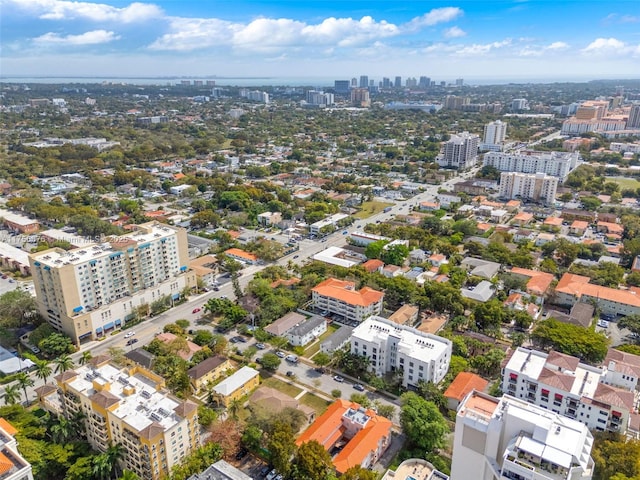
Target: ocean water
(261, 81)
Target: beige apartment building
(130, 407)
(88, 292)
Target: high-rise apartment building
(391, 347)
(364, 81)
(425, 82)
(634, 117)
(320, 99)
(519, 104)
(459, 82)
(500, 439)
(130, 407)
(360, 97)
(90, 291)
(398, 82)
(460, 151)
(495, 132)
(556, 164)
(536, 187)
(386, 82)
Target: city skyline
(519, 38)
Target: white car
(130, 334)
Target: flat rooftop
(57, 257)
(139, 402)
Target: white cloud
(454, 32)
(435, 16)
(268, 33)
(477, 49)
(538, 51)
(97, 12)
(611, 47)
(94, 37)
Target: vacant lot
(625, 183)
(371, 208)
(281, 386)
(315, 402)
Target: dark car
(264, 470)
(132, 341)
(290, 374)
(320, 370)
(241, 453)
(296, 256)
(358, 387)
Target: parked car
(260, 346)
(290, 374)
(264, 470)
(338, 378)
(241, 453)
(320, 369)
(281, 354)
(130, 334)
(35, 350)
(296, 256)
(196, 310)
(358, 387)
(272, 474)
(291, 358)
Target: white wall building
(537, 187)
(507, 438)
(557, 164)
(495, 132)
(12, 465)
(307, 331)
(562, 384)
(460, 152)
(392, 347)
(332, 221)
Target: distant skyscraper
(495, 132)
(519, 104)
(364, 81)
(634, 116)
(424, 82)
(459, 82)
(412, 82)
(341, 87)
(398, 82)
(386, 83)
(354, 82)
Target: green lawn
(315, 402)
(371, 208)
(625, 183)
(281, 386)
(315, 347)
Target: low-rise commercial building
(391, 347)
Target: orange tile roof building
(539, 282)
(12, 465)
(340, 297)
(242, 256)
(363, 435)
(572, 288)
(461, 386)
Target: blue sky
(341, 39)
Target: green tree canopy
(422, 422)
(574, 340)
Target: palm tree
(63, 363)
(11, 394)
(24, 381)
(234, 407)
(101, 466)
(61, 430)
(115, 453)
(85, 357)
(43, 370)
(128, 475)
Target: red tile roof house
(363, 434)
(461, 386)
